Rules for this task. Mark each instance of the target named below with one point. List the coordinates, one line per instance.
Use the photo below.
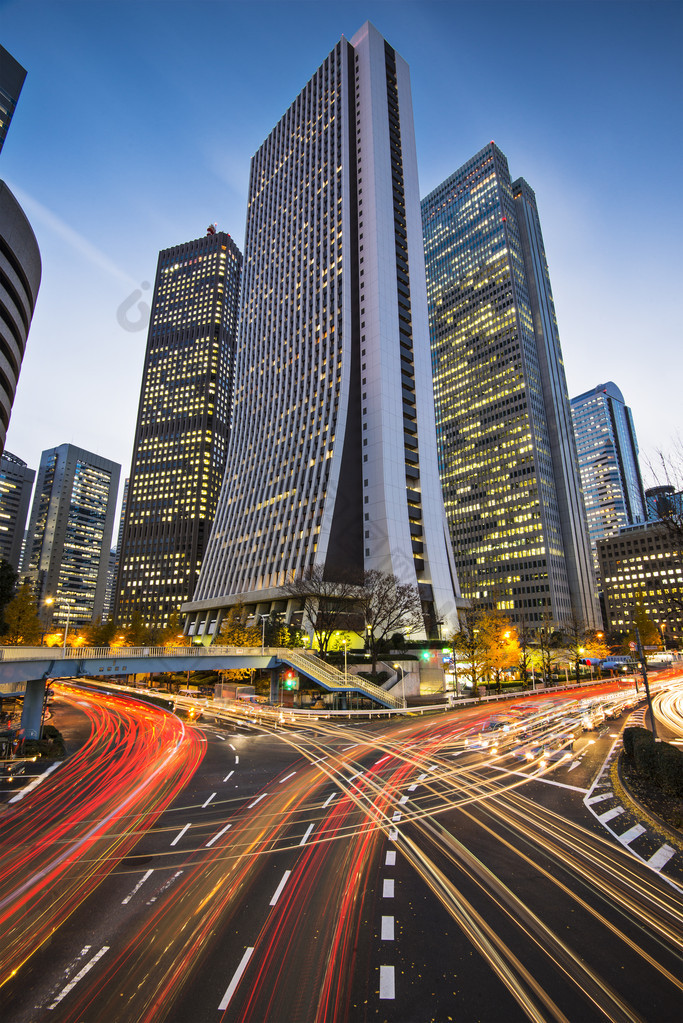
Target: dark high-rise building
(16, 484)
(182, 428)
(664, 502)
(20, 265)
(12, 76)
(332, 463)
(69, 534)
(608, 461)
(507, 453)
(642, 565)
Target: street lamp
(69, 604)
(263, 632)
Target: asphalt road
(382, 871)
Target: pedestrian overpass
(25, 671)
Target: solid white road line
(387, 928)
(180, 834)
(329, 800)
(216, 837)
(632, 833)
(32, 785)
(387, 987)
(225, 1000)
(390, 860)
(611, 814)
(79, 976)
(257, 800)
(661, 857)
(387, 888)
(204, 805)
(228, 776)
(286, 777)
(309, 829)
(278, 890)
(137, 887)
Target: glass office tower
(608, 462)
(69, 532)
(182, 428)
(332, 461)
(507, 454)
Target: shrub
(645, 754)
(630, 735)
(670, 768)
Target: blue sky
(137, 122)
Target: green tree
(234, 631)
(99, 633)
(8, 585)
(473, 643)
(22, 623)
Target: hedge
(656, 762)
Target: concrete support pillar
(274, 686)
(32, 714)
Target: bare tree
(387, 606)
(327, 603)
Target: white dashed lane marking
(390, 860)
(79, 976)
(309, 829)
(278, 890)
(228, 776)
(216, 837)
(225, 1000)
(387, 928)
(204, 805)
(137, 888)
(387, 888)
(180, 834)
(387, 987)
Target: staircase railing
(335, 679)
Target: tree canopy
(22, 624)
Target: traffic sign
(632, 645)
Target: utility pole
(643, 664)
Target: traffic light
(290, 680)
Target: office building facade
(643, 564)
(16, 484)
(506, 447)
(332, 462)
(12, 76)
(20, 263)
(69, 533)
(664, 502)
(608, 462)
(182, 429)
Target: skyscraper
(332, 461)
(182, 428)
(16, 484)
(20, 264)
(506, 448)
(608, 462)
(72, 517)
(12, 76)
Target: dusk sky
(138, 120)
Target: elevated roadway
(26, 670)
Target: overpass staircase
(329, 678)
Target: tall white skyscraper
(332, 459)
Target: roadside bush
(645, 754)
(670, 768)
(630, 736)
